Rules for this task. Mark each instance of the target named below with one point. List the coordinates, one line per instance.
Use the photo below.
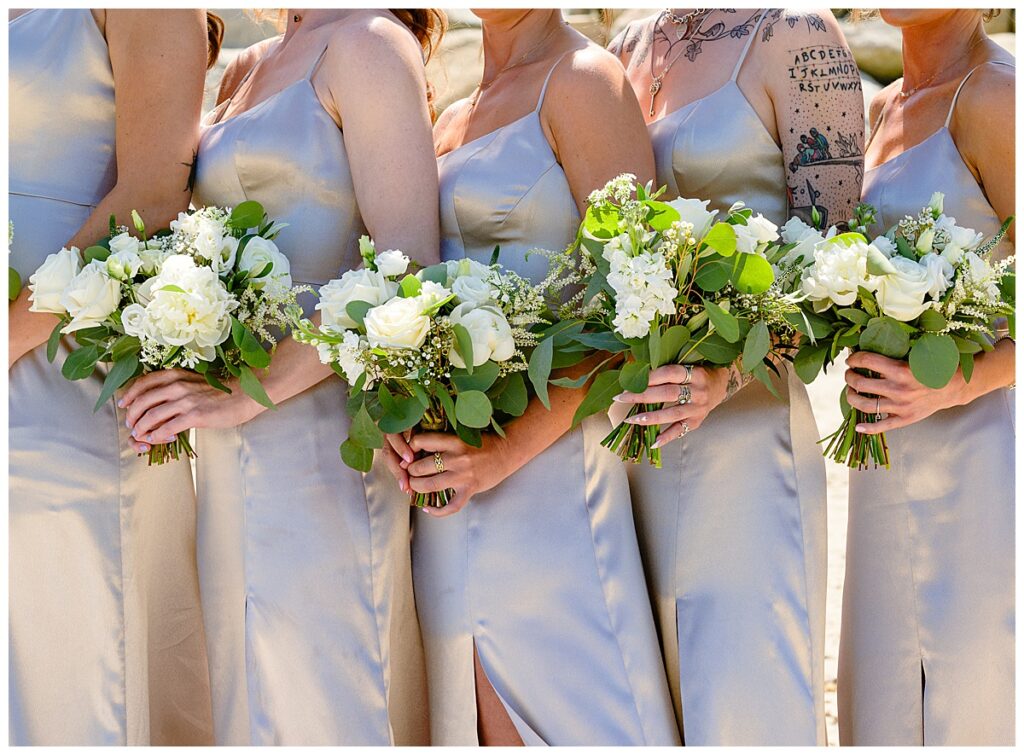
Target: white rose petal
(753, 237)
(47, 284)
(470, 290)
(398, 324)
(355, 285)
(696, 213)
(939, 274)
(90, 298)
(133, 320)
(901, 295)
(392, 263)
(257, 254)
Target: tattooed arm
(815, 86)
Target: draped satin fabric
(106, 640)
(304, 563)
(927, 645)
(542, 572)
(732, 527)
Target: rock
(877, 48)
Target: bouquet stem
(854, 449)
(433, 421)
(164, 452)
(635, 442)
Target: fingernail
(620, 398)
(861, 428)
(408, 458)
(656, 444)
(128, 424)
(149, 438)
(636, 420)
(144, 448)
(120, 403)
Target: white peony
(392, 262)
(901, 294)
(257, 254)
(475, 291)
(753, 237)
(939, 274)
(90, 298)
(185, 223)
(47, 284)
(489, 332)
(839, 269)
(696, 213)
(398, 324)
(198, 319)
(355, 285)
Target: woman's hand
(898, 393)
(707, 387)
(467, 470)
(162, 404)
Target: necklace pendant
(655, 88)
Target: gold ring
(438, 462)
(685, 394)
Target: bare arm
(593, 120)
(390, 152)
(815, 87)
(159, 65)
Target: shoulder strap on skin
(746, 47)
(544, 89)
(316, 63)
(874, 127)
(956, 96)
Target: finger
(454, 506)
(144, 428)
(870, 405)
(154, 397)
(435, 483)
(655, 394)
(139, 448)
(664, 416)
(391, 459)
(436, 442)
(866, 360)
(154, 380)
(882, 425)
(450, 462)
(166, 432)
(675, 374)
(870, 386)
(675, 432)
(401, 447)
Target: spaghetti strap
(956, 95)
(316, 63)
(544, 89)
(874, 127)
(746, 47)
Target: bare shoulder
(242, 63)
(880, 100)
(586, 74)
(372, 36)
(786, 29)
(989, 93)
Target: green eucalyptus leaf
(357, 311)
(246, 215)
(473, 409)
(252, 387)
(713, 273)
(809, 361)
(515, 398)
(481, 379)
(883, 335)
(722, 238)
(356, 457)
(932, 320)
(13, 284)
(120, 373)
(967, 366)
(405, 414)
(752, 274)
(410, 287)
(717, 350)
(95, 253)
(364, 431)
(464, 345)
(725, 323)
(599, 396)
(435, 273)
(672, 342)
(756, 345)
(934, 359)
(80, 363)
(539, 369)
(53, 342)
(633, 376)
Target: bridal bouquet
(443, 348)
(661, 283)
(927, 291)
(202, 296)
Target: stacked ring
(685, 430)
(685, 394)
(438, 463)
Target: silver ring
(878, 403)
(685, 394)
(685, 430)
(689, 373)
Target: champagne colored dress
(732, 527)
(542, 572)
(106, 640)
(304, 563)
(927, 647)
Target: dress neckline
(489, 134)
(910, 149)
(259, 105)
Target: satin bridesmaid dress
(304, 563)
(926, 653)
(541, 573)
(106, 640)
(732, 527)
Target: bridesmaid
(762, 106)
(529, 585)
(106, 639)
(927, 648)
(304, 564)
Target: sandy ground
(824, 393)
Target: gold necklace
(905, 95)
(484, 86)
(656, 80)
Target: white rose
(960, 239)
(397, 323)
(185, 223)
(489, 332)
(806, 238)
(133, 319)
(901, 295)
(431, 293)
(198, 319)
(90, 298)
(355, 285)
(392, 262)
(257, 254)
(753, 237)
(939, 274)
(467, 267)
(696, 213)
(47, 284)
(475, 291)
(124, 242)
(839, 269)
